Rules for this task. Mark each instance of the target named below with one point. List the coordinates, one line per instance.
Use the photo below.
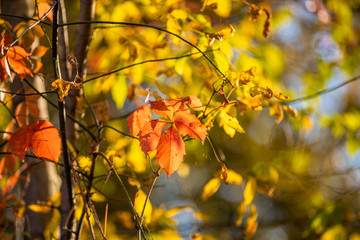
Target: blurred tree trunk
(44, 180)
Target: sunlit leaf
(210, 188)
(251, 223)
(241, 210)
(138, 118)
(119, 91)
(230, 124)
(337, 232)
(39, 208)
(250, 190)
(139, 203)
(170, 151)
(189, 124)
(150, 134)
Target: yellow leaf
(179, 14)
(246, 76)
(233, 177)
(251, 223)
(224, 8)
(230, 124)
(291, 111)
(276, 109)
(210, 188)
(337, 232)
(250, 190)
(52, 226)
(39, 208)
(56, 199)
(140, 198)
(84, 163)
(241, 210)
(355, 236)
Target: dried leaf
(266, 30)
(276, 110)
(254, 12)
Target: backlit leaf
(119, 91)
(251, 223)
(230, 124)
(139, 202)
(210, 188)
(20, 141)
(170, 151)
(15, 57)
(43, 7)
(241, 210)
(39, 208)
(150, 134)
(45, 141)
(233, 177)
(189, 124)
(138, 118)
(250, 191)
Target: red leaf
(138, 118)
(170, 151)
(20, 141)
(150, 134)
(45, 141)
(189, 124)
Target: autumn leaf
(41, 137)
(43, 7)
(45, 141)
(170, 150)
(230, 124)
(150, 134)
(138, 118)
(162, 108)
(139, 201)
(16, 56)
(210, 188)
(20, 141)
(189, 124)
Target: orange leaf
(162, 108)
(150, 135)
(45, 141)
(3, 70)
(170, 150)
(189, 124)
(44, 6)
(194, 103)
(41, 137)
(138, 118)
(20, 141)
(40, 51)
(16, 55)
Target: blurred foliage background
(293, 174)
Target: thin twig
(136, 216)
(143, 62)
(125, 134)
(34, 24)
(157, 28)
(156, 176)
(324, 91)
